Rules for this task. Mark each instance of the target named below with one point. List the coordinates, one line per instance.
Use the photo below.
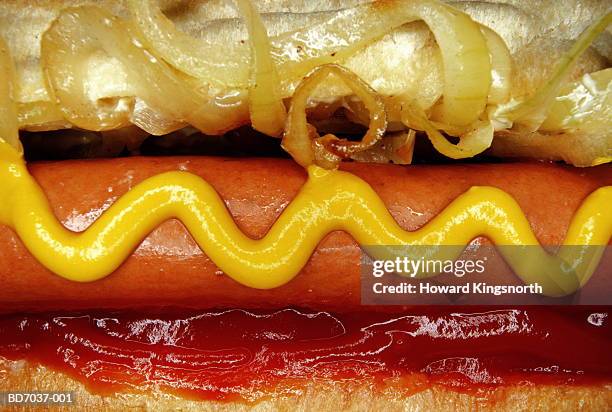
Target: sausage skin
(169, 269)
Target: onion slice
(78, 32)
(301, 139)
(584, 105)
(530, 114)
(40, 116)
(501, 67)
(66, 48)
(152, 121)
(467, 67)
(471, 143)
(222, 67)
(465, 55)
(395, 147)
(9, 131)
(266, 106)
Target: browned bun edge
(170, 269)
(24, 376)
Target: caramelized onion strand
(531, 113)
(301, 139)
(266, 107)
(471, 143)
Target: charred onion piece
(301, 139)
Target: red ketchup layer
(237, 354)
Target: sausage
(169, 269)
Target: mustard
(329, 200)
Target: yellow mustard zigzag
(328, 201)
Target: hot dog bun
(406, 61)
(344, 396)
(168, 269)
(527, 34)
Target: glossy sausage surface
(168, 269)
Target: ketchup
(238, 354)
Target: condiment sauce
(236, 354)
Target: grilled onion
(583, 105)
(501, 67)
(66, 47)
(301, 139)
(222, 67)
(530, 114)
(9, 131)
(172, 80)
(467, 68)
(40, 116)
(583, 108)
(394, 147)
(471, 143)
(152, 121)
(80, 31)
(266, 107)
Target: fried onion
(530, 114)
(301, 139)
(80, 31)
(471, 143)
(9, 130)
(169, 80)
(467, 68)
(266, 106)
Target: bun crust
(24, 376)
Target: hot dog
(236, 279)
(256, 192)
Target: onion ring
(301, 139)
(76, 33)
(467, 67)
(474, 141)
